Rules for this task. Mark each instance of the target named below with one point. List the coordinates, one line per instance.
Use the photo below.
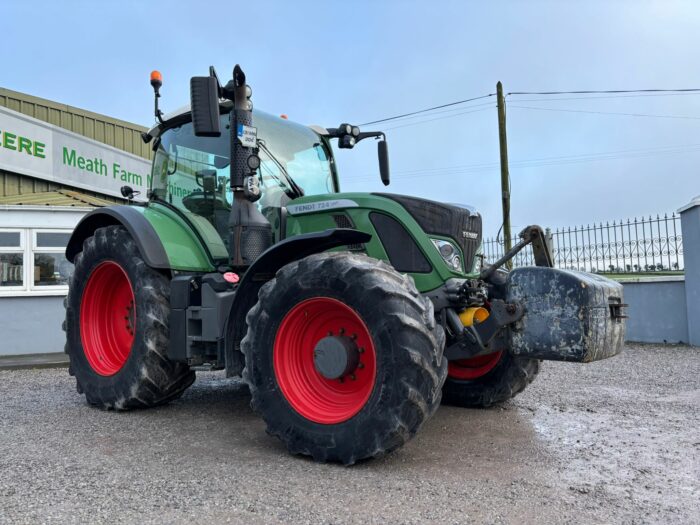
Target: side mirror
(383, 152)
(221, 162)
(204, 97)
(207, 180)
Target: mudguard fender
(143, 233)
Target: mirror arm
(158, 112)
(368, 134)
(212, 73)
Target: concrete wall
(31, 325)
(657, 310)
(657, 313)
(690, 225)
(667, 309)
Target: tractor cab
(192, 173)
(230, 172)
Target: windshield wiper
(298, 190)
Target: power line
(428, 109)
(607, 97)
(445, 111)
(604, 156)
(576, 92)
(603, 91)
(544, 161)
(604, 112)
(639, 92)
(440, 118)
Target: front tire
(116, 326)
(395, 385)
(487, 380)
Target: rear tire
(488, 383)
(381, 404)
(117, 315)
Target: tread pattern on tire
(510, 377)
(148, 378)
(404, 330)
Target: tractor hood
(460, 222)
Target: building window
(33, 262)
(10, 239)
(52, 239)
(11, 260)
(51, 268)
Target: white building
(56, 164)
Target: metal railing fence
(643, 245)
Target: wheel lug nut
(353, 336)
(330, 333)
(342, 331)
(361, 350)
(352, 376)
(360, 365)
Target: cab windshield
(287, 150)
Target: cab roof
(182, 113)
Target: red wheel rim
(322, 400)
(107, 318)
(473, 368)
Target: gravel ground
(609, 442)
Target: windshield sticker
(312, 207)
(248, 135)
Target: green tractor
(350, 316)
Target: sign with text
(248, 135)
(32, 147)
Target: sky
(325, 62)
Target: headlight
(449, 253)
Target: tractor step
(199, 308)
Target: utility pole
(505, 177)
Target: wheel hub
(324, 360)
(336, 356)
(107, 318)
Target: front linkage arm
(489, 336)
(540, 250)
